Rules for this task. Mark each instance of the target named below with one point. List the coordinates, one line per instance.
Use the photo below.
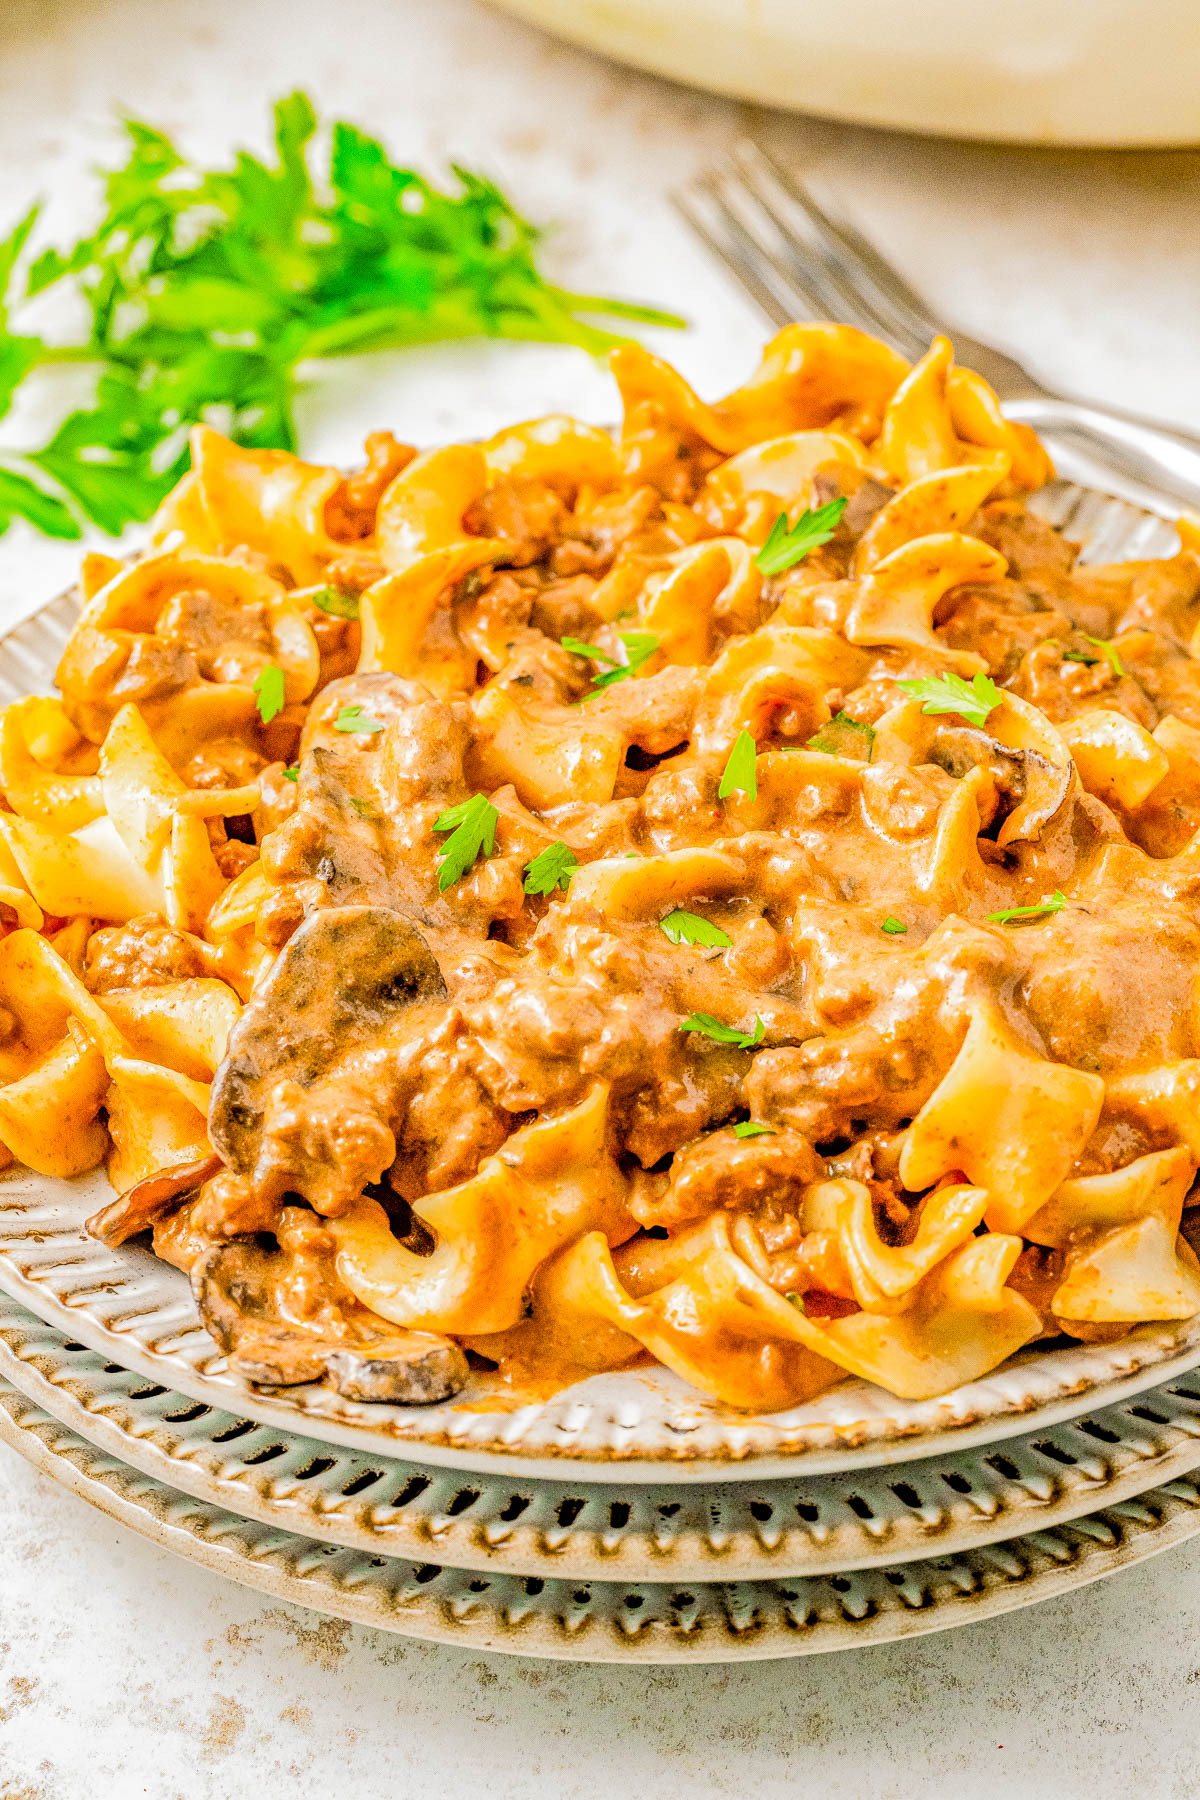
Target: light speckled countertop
(126, 1673)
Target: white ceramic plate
(609, 1621)
(623, 1427)
(644, 1531)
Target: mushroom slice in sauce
(237, 1290)
(149, 1200)
(341, 976)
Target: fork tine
(709, 223)
(861, 262)
(748, 242)
(770, 214)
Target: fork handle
(1117, 446)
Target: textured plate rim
(952, 1505)
(208, 1536)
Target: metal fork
(800, 256)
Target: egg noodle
(726, 893)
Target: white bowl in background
(1115, 72)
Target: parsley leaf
(639, 648)
(1108, 653)
(786, 546)
(1052, 904)
(292, 774)
(741, 768)
(473, 827)
(973, 700)
(751, 1128)
(1080, 656)
(336, 602)
(893, 926)
(205, 290)
(268, 692)
(551, 868)
(689, 928)
(724, 1034)
(353, 718)
(844, 736)
(22, 498)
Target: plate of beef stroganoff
(676, 943)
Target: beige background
(124, 1672)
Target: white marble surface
(124, 1672)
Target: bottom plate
(608, 1621)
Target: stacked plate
(627, 1519)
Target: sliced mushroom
(343, 974)
(237, 1290)
(149, 1200)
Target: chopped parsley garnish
(292, 774)
(893, 926)
(787, 544)
(268, 692)
(336, 602)
(752, 1128)
(1080, 656)
(472, 825)
(1052, 904)
(973, 700)
(1108, 653)
(639, 648)
(551, 868)
(741, 768)
(689, 928)
(844, 736)
(353, 718)
(724, 1034)
(203, 291)
(363, 808)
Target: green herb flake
(893, 926)
(363, 808)
(1080, 656)
(1053, 903)
(795, 1299)
(741, 768)
(292, 774)
(973, 700)
(690, 928)
(708, 1027)
(787, 545)
(551, 868)
(844, 736)
(353, 718)
(268, 692)
(336, 602)
(750, 1128)
(639, 647)
(472, 825)
(1108, 652)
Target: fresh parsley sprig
(472, 825)
(684, 927)
(708, 1027)
(787, 545)
(973, 700)
(208, 292)
(551, 868)
(1053, 903)
(639, 648)
(740, 773)
(750, 1128)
